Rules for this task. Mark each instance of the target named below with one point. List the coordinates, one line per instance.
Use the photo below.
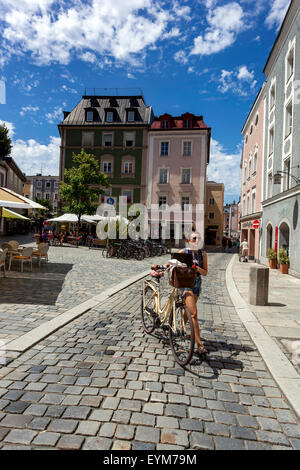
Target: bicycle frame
(162, 313)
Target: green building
(115, 130)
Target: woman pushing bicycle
(191, 295)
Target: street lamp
(278, 176)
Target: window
(131, 116)
(2, 178)
(288, 119)
(255, 163)
(272, 96)
(187, 149)
(245, 173)
(211, 216)
(47, 196)
(87, 139)
(185, 201)
(164, 124)
(270, 185)
(48, 184)
(253, 202)
(127, 193)
(290, 64)
(163, 176)
(38, 184)
(246, 140)
(249, 167)
(287, 175)
(162, 202)
(38, 195)
(256, 119)
(211, 201)
(128, 168)
(248, 203)
(107, 138)
(107, 167)
(90, 116)
(109, 116)
(271, 141)
(105, 195)
(164, 149)
(187, 123)
(244, 206)
(129, 140)
(186, 176)
(251, 129)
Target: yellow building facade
(214, 213)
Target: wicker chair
(14, 244)
(42, 252)
(25, 257)
(3, 259)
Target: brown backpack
(182, 277)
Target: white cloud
(30, 156)
(53, 31)
(237, 81)
(277, 13)
(181, 57)
(55, 116)
(28, 109)
(225, 22)
(68, 90)
(224, 167)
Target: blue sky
(200, 56)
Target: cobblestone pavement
(101, 383)
(72, 276)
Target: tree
(5, 142)
(44, 212)
(81, 188)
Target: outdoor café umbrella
(9, 198)
(7, 214)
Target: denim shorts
(197, 287)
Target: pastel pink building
(178, 154)
(251, 166)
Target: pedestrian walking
(244, 247)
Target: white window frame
(112, 139)
(130, 113)
(253, 206)
(166, 170)
(255, 157)
(131, 194)
(272, 97)
(111, 167)
(271, 147)
(160, 147)
(191, 148)
(163, 206)
(249, 165)
(132, 135)
(288, 128)
(190, 172)
(291, 51)
(109, 113)
(88, 115)
(128, 164)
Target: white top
(244, 245)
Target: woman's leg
(191, 303)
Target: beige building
(214, 213)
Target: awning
(7, 214)
(72, 218)
(11, 199)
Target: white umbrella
(65, 218)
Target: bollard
(258, 285)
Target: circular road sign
(255, 224)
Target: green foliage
(283, 257)
(81, 189)
(271, 254)
(5, 142)
(44, 212)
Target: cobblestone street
(101, 383)
(72, 276)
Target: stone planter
(273, 263)
(284, 268)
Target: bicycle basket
(182, 277)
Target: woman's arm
(203, 271)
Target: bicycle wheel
(148, 309)
(182, 335)
(139, 255)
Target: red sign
(255, 224)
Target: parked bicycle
(173, 317)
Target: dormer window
(109, 116)
(90, 116)
(165, 124)
(130, 116)
(187, 123)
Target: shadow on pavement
(34, 288)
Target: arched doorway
(269, 237)
(284, 236)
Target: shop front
(250, 231)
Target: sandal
(202, 351)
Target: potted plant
(284, 261)
(272, 257)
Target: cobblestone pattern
(101, 383)
(72, 276)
